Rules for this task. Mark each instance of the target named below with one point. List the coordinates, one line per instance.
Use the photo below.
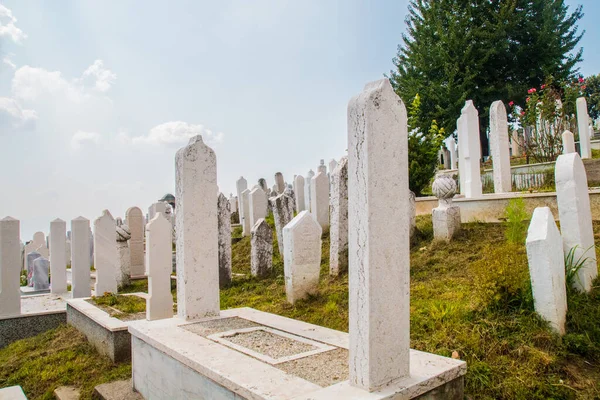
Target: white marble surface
(338, 211)
(319, 198)
(135, 221)
(583, 120)
(106, 259)
(568, 142)
(299, 188)
(159, 303)
(58, 258)
(80, 257)
(10, 267)
(469, 151)
(499, 147)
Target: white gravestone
(106, 259)
(245, 218)
(514, 144)
(583, 120)
(159, 303)
(302, 256)
(451, 144)
(279, 183)
(123, 272)
(568, 142)
(499, 148)
(58, 259)
(282, 215)
(332, 164)
(547, 269)
(38, 244)
(469, 151)
(575, 216)
(322, 167)
(257, 205)
(197, 231)
(80, 257)
(31, 257)
(41, 274)
(299, 189)
(338, 231)
(233, 203)
(307, 180)
(240, 185)
(10, 267)
(446, 216)
(224, 223)
(135, 221)
(261, 254)
(378, 238)
(159, 207)
(319, 189)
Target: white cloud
(8, 61)
(81, 138)
(102, 77)
(8, 27)
(12, 114)
(177, 133)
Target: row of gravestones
(468, 152)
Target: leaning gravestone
(41, 269)
(338, 210)
(547, 269)
(575, 215)
(159, 303)
(10, 267)
(283, 213)
(302, 256)
(105, 254)
(446, 216)
(224, 223)
(261, 256)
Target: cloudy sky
(97, 96)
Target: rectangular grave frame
(222, 338)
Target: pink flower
(543, 87)
(583, 87)
(527, 99)
(512, 103)
(522, 113)
(581, 80)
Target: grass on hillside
(471, 296)
(124, 304)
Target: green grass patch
(56, 358)
(124, 304)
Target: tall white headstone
(469, 151)
(568, 142)
(197, 231)
(499, 148)
(159, 303)
(378, 237)
(575, 216)
(299, 188)
(241, 184)
(245, 209)
(583, 120)
(547, 268)
(224, 223)
(302, 256)
(80, 257)
(257, 205)
(451, 144)
(135, 221)
(58, 259)
(307, 196)
(106, 260)
(319, 189)
(10, 267)
(338, 209)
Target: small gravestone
(123, 235)
(338, 210)
(106, 259)
(446, 216)
(41, 269)
(302, 256)
(299, 193)
(10, 267)
(319, 188)
(31, 257)
(58, 258)
(135, 222)
(568, 142)
(261, 257)
(573, 199)
(80, 257)
(257, 205)
(224, 223)
(499, 148)
(283, 213)
(547, 269)
(241, 184)
(159, 303)
(307, 189)
(279, 183)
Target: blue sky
(97, 96)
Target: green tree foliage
(592, 92)
(423, 147)
(484, 50)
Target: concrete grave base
(108, 334)
(213, 358)
(39, 313)
(12, 393)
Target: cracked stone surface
(224, 221)
(338, 231)
(283, 212)
(261, 257)
(378, 237)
